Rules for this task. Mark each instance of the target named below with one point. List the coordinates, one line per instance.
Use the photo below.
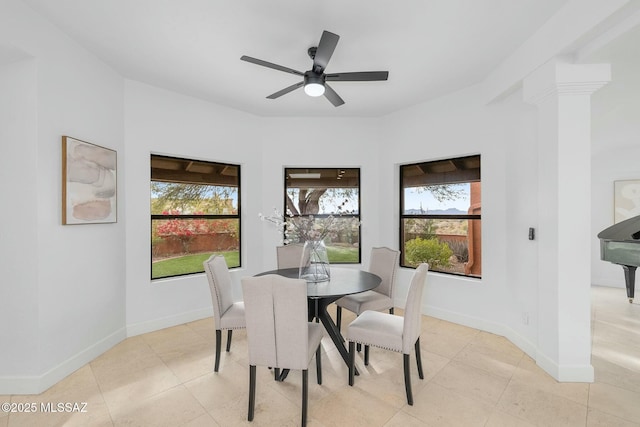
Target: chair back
(289, 255)
(412, 311)
(384, 263)
(220, 285)
(277, 324)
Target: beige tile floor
(472, 378)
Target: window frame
(403, 217)
(237, 216)
(357, 215)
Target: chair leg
(252, 391)
(407, 379)
(276, 374)
(338, 316)
(319, 364)
(218, 344)
(352, 361)
(305, 393)
(419, 359)
(229, 333)
(359, 347)
(284, 374)
(366, 355)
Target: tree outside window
(326, 198)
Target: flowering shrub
(185, 230)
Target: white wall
(163, 122)
(73, 285)
(322, 142)
(615, 153)
(521, 261)
(18, 235)
(457, 125)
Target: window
(195, 211)
(327, 201)
(440, 215)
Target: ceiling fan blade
(286, 90)
(327, 45)
(332, 96)
(271, 65)
(362, 76)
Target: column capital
(557, 78)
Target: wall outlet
(525, 318)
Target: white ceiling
(429, 47)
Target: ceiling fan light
(313, 84)
(314, 89)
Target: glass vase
(314, 264)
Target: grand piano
(620, 244)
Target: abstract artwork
(88, 183)
(626, 199)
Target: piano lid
(625, 231)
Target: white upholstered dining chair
(278, 333)
(227, 313)
(391, 332)
(289, 255)
(384, 263)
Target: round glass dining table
(343, 281)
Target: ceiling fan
(315, 80)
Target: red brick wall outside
(216, 242)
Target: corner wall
(503, 134)
(162, 122)
(18, 236)
(70, 286)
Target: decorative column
(562, 93)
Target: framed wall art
(88, 183)
(626, 199)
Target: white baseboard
(566, 373)
(461, 319)
(562, 373)
(38, 384)
(167, 322)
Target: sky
(413, 199)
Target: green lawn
(188, 264)
(193, 263)
(338, 254)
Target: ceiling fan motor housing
(310, 77)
